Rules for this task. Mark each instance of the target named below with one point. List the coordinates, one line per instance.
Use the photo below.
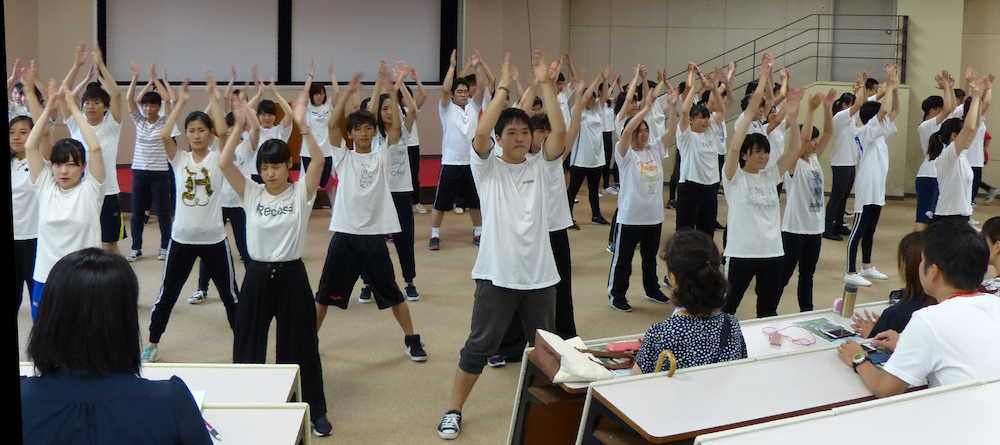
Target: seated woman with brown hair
(912, 297)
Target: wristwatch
(857, 360)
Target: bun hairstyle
(694, 260)
(941, 138)
(845, 100)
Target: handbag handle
(665, 355)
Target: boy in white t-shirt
(953, 341)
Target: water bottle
(849, 299)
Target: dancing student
(18, 104)
(318, 111)
(69, 201)
(698, 135)
(912, 296)
(267, 114)
(878, 121)
(515, 271)
(936, 109)
(843, 160)
(198, 230)
(413, 141)
(24, 196)
(698, 333)
(392, 136)
(754, 249)
(627, 105)
(676, 173)
(946, 149)
(977, 153)
(362, 215)
(587, 157)
(459, 112)
(640, 211)
(150, 169)
(102, 105)
(803, 221)
(607, 108)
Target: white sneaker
(450, 426)
(974, 222)
(198, 297)
(133, 255)
(163, 255)
(856, 280)
(611, 190)
(600, 194)
(459, 210)
(992, 194)
(872, 272)
(419, 208)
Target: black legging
(609, 170)
(675, 176)
(414, 153)
(843, 181)
(593, 177)
(863, 232)
(801, 250)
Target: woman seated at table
(912, 297)
(698, 333)
(85, 347)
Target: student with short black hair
(586, 156)
(950, 342)
(911, 297)
(24, 207)
(698, 135)
(698, 332)
(318, 109)
(946, 149)
(936, 109)
(85, 349)
(843, 160)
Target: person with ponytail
(936, 110)
(698, 332)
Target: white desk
(959, 414)
(226, 383)
(704, 399)
(265, 424)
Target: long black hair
(941, 138)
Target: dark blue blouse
(65, 408)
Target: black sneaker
(599, 220)
(611, 247)
(658, 298)
(365, 296)
(451, 425)
(321, 427)
(619, 304)
(475, 239)
(411, 293)
(415, 349)
(833, 236)
(575, 226)
(844, 230)
(434, 244)
(496, 361)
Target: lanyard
(961, 294)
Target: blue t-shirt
(66, 408)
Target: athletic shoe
(672, 204)
(599, 220)
(611, 190)
(619, 304)
(576, 201)
(321, 427)
(150, 353)
(198, 297)
(833, 236)
(872, 272)
(163, 255)
(844, 230)
(575, 226)
(459, 210)
(992, 194)
(854, 279)
(611, 247)
(451, 425)
(496, 361)
(974, 221)
(658, 298)
(365, 296)
(419, 208)
(435, 244)
(133, 255)
(411, 293)
(600, 194)
(415, 349)
(475, 239)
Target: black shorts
(327, 169)
(347, 258)
(112, 224)
(456, 181)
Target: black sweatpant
(237, 218)
(281, 291)
(697, 206)
(149, 188)
(404, 239)
(676, 175)
(843, 181)
(180, 261)
(801, 250)
(607, 171)
(977, 178)
(863, 232)
(767, 271)
(414, 153)
(647, 238)
(593, 177)
(24, 267)
(613, 230)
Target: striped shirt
(149, 154)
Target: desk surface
(956, 414)
(224, 383)
(281, 424)
(703, 399)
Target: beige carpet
(376, 394)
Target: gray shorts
(492, 313)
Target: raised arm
(337, 116)
(15, 73)
(163, 86)
(169, 145)
(232, 84)
(888, 104)
(484, 69)
(625, 141)
(421, 95)
(130, 95)
(229, 169)
(39, 133)
(827, 134)
(629, 94)
(568, 60)
(482, 143)
(753, 110)
(108, 82)
(334, 86)
(412, 109)
(29, 78)
(546, 75)
(95, 163)
(449, 79)
(79, 59)
(858, 90)
(685, 112)
(527, 98)
(713, 81)
(394, 132)
(576, 115)
(971, 124)
(315, 171)
(286, 120)
(668, 138)
(793, 140)
(215, 106)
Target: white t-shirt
(107, 132)
(976, 151)
(656, 118)
(699, 154)
(958, 112)
(755, 126)
(15, 109)
(364, 204)
(640, 201)
(276, 132)
(400, 179)
(951, 342)
(804, 210)
(925, 130)
(198, 218)
(563, 99)
(754, 219)
(24, 200)
(317, 118)
(873, 162)
(458, 126)
(413, 138)
(607, 117)
(954, 182)
(149, 153)
(845, 150)
(588, 150)
(276, 224)
(68, 220)
(514, 251)
(776, 139)
(243, 159)
(555, 198)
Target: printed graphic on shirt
(367, 176)
(762, 196)
(263, 210)
(193, 183)
(815, 180)
(649, 174)
(398, 165)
